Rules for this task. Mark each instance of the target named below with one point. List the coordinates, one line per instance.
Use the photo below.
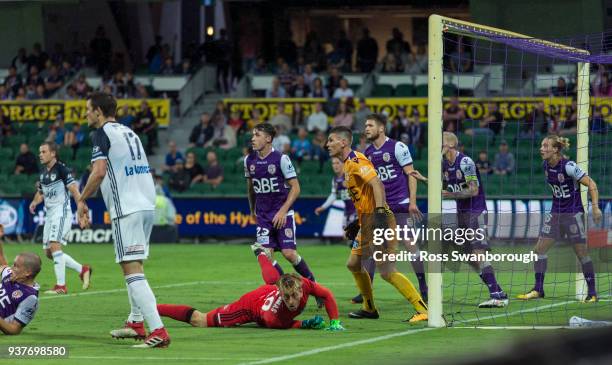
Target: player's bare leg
(364, 284)
(541, 248)
(588, 271)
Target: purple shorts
(564, 226)
(402, 218)
(277, 239)
(474, 221)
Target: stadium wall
(20, 26)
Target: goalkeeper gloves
(315, 323)
(335, 325)
(351, 230)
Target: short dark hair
(267, 128)
(52, 146)
(32, 262)
(344, 132)
(106, 103)
(378, 118)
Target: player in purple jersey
(18, 292)
(393, 164)
(462, 178)
(566, 217)
(339, 192)
(272, 188)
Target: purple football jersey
(18, 302)
(563, 180)
(269, 176)
(343, 194)
(389, 161)
(457, 176)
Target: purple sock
(589, 275)
(278, 268)
(302, 269)
(540, 270)
(419, 270)
(488, 277)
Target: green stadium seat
(382, 91)
(421, 90)
(404, 90)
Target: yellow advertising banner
(513, 108)
(74, 111)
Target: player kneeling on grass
(18, 292)
(274, 305)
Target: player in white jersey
(54, 183)
(121, 169)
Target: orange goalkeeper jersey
(358, 171)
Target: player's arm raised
(594, 193)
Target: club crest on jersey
(289, 232)
(52, 177)
(459, 174)
(445, 175)
(17, 294)
(386, 157)
(252, 168)
(561, 178)
(271, 169)
(42, 176)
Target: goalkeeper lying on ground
(274, 305)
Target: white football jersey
(128, 186)
(53, 184)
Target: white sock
(135, 313)
(59, 265)
(143, 298)
(72, 264)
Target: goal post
(438, 26)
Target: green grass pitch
(207, 276)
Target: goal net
(502, 94)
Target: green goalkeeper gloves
(315, 323)
(335, 325)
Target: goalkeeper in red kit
(274, 305)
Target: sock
(302, 268)
(145, 300)
(540, 269)
(268, 271)
(419, 270)
(278, 268)
(72, 264)
(589, 274)
(408, 291)
(59, 266)
(488, 277)
(364, 284)
(178, 312)
(370, 266)
(135, 313)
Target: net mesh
(505, 92)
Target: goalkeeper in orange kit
(368, 194)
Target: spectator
(237, 123)
(146, 124)
(301, 147)
(417, 63)
(71, 93)
(397, 42)
(4, 95)
(453, 116)
(54, 81)
(281, 142)
(39, 92)
(20, 62)
(26, 161)
(165, 211)
(319, 150)
(333, 82)
(309, 76)
(483, 164)
(300, 67)
(363, 144)
(131, 90)
(504, 160)
(569, 126)
(12, 81)
(34, 78)
(461, 59)
(223, 48)
(224, 136)
(397, 130)
(297, 116)
(390, 64)
(101, 50)
(287, 48)
(335, 59)
(154, 53)
(57, 131)
(213, 174)
(413, 134)
(490, 125)
(300, 89)
(185, 68)
(318, 91)
(193, 168)
(38, 57)
(81, 86)
(597, 123)
(360, 116)
(313, 51)
(344, 91)
(367, 52)
(601, 85)
(66, 71)
(260, 67)
(345, 49)
(6, 127)
(74, 138)
(276, 90)
(126, 116)
(343, 116)
(171, 157)
(317, 121)
(536, 123)
(281, 118)
(168, 67)
(255, 119)
(141, 92)
(286, 77)
(560, 89)
(21, 94)
(201, 133)
(180, 179)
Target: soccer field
(207, 276)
